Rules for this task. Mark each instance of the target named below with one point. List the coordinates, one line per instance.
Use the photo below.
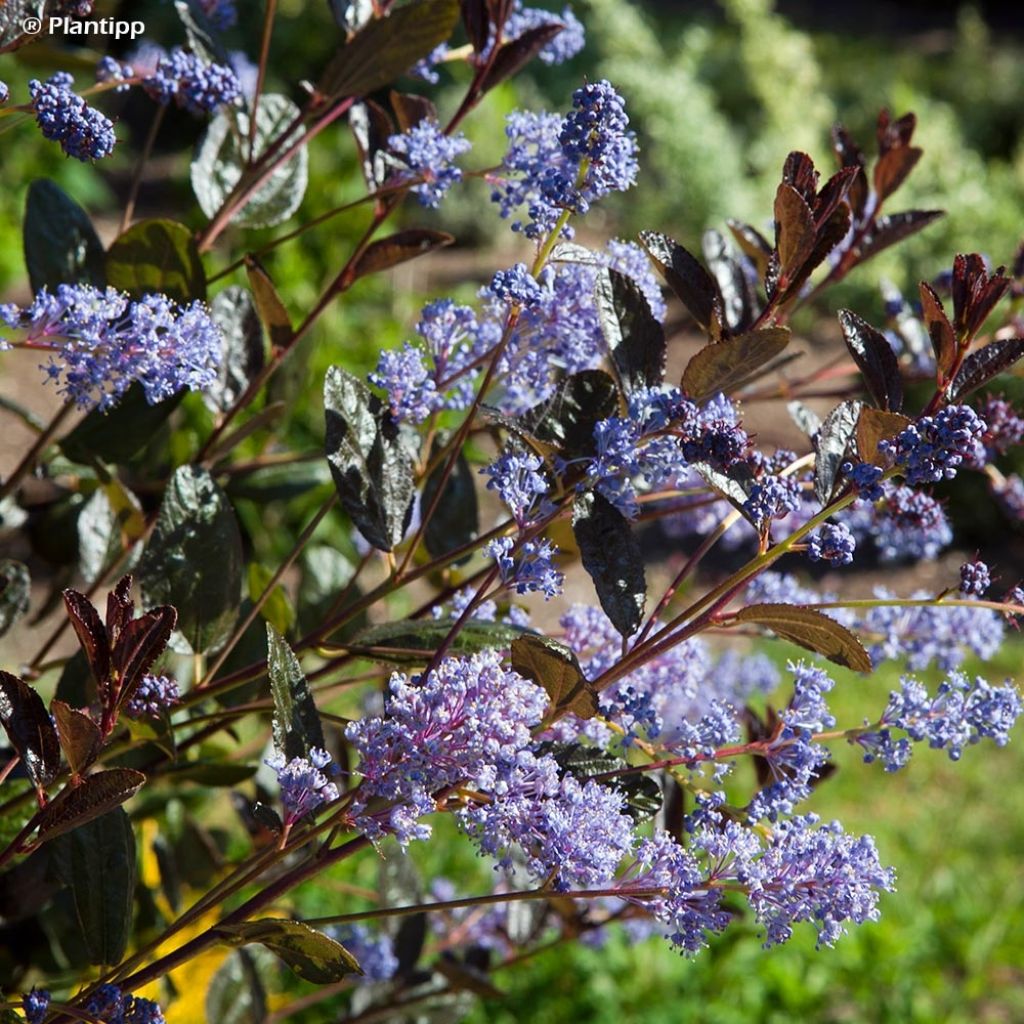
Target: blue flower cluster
(832, 543)
(111, 70)
(907, 524)
(64, 117)
(191, 83)
(152, 697)
(555, 164)
(35, 1004)
(975, 578)
(521, 486)
(304, 784)
(961, 712)
(529, 569)
(100, 341)
(110, 1005)
(933, 448)
(374, 951)
(772, 497)
(428, 155)
(436, 732)
(516, 287)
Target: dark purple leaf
(798, 171)
(372, 127)
(387, 47)
(795, 232)
(79, 736)
(23, 715)
(95, 795)
(975, 293)
(981, 366)
(410, 109)
(940, 330)
(850, 154)
(893, 167)
(398, 248)
(739, 294)
(141, 642)
(724, 364)
(893, 228)
(92, 635)
(477, 22)
(635, 339)
(688, 278)
(754, 245)
(877, 362)
(514, 56)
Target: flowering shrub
(587, 750)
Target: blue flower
(517, 478)
(516, 287)
(934, 447)
(304, 786)
(429, 154)
(153, 696)
(191, 83)
(64, 117)
(773, 497)
(100, 342)
(531, 569)
(35, 1004)
(975, 578)
(832, 543)
(412, 393)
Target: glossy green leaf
(97, 862)
(809, 629)
(223, 155)
(297, 725)
(157, 256)
(61, 245)
(242, 354)
(312, 955)
(611, 555)
(193, 559)
(277, 609)
(119, 435)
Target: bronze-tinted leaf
(975, 293)
(753, 243)
(874, 356)
(79, 736)
(798, 171)
(142, 641)
(795, 232)
(940, 330)
(832, 193)
(893, 228)
(829, 235)
(984, 364)
(92, 636)
(95, 795)
(833, 441)
(721, 366)
(810, 629)
(849, 154)
(387, 47)
(312, 955)
(477, 23)
(873, 426)
(268, 304)
(688, 278)
(23, 715)
(410, 109)
(893, 167)
(515, 55)
(398, 248)
(554, 666)
(120, 608)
